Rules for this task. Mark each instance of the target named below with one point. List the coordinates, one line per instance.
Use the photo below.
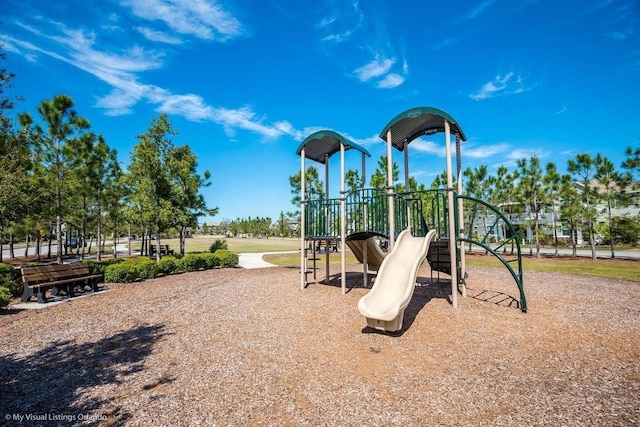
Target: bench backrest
(50, 273)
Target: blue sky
(245, 81)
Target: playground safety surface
(248, 347)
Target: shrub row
(141, 268)
(10, 283)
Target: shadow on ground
(70, 370)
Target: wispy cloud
(341, 22)
(376, 68)
(522, 153)
(390, 81)
(122, 72)
(507, 84)
(483, 151)
(200, 18)
(428, 147)
(356, 30)
(158, 36)
(562, 110)
(479, 9)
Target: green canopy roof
(416, 122)
(325, 143)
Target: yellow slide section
(375, 256)
(385, 304)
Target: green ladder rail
(495, 219)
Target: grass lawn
(615, 269)
(608, 268)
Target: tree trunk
(592, 243)
(612, 242)
(182, 241)
(555, 234)
(26, 249)
(99, 239)
(157, 245)
(12, 254)
(59, 222)
(37, 247)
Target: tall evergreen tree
(552, 185)
(583, 170)
(150, 198)
(186, 182)
(63, 124)
(610, 186)
(531, 193)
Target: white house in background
(523, 221)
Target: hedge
(226, 258)
(134, 269)
(10, 279)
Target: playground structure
(444, 218)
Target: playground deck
(252, 349)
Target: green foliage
(10, 279)
(99, 267)
(5, 297)
(218, 244)
(168, 265)
(226, 258)
(192, 262)
(210, 260)
(131, 270)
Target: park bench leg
(42, 298)
(27, 293)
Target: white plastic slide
(375, 256)
(387, 300)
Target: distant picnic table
(164, 250)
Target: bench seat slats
(55, 276)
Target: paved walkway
(254, 260)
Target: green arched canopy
(415, 122)
(325, 143)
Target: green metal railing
(488, 228)
(367, 210)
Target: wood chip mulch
(233, 347)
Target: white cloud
(121, 72)
(390, 81)
(480, 8)
(204, 19)
(158, 36)
(523, 153)
(501, 85)
(483, 151)
(428, 147)
(376, 68)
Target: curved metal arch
(518, 277)
(416, 122)
(323, 144)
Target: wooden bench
(56, 277)
(164, 250)
(323, 245)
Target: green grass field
(614, 269)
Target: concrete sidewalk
(254, 260)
